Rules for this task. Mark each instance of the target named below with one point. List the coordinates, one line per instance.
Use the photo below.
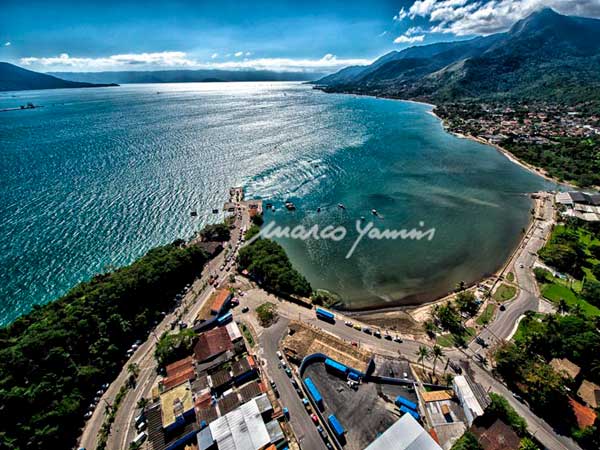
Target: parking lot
(362, 412)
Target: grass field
(504, 292)
(510, 276)
(447, 340)
(526, 326)
(486, 315)
(555, 291)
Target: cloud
(461, 18)
(214, 55)
(402, 14)
(163, 59)
(150, 61)
(413, 30)
(383, 33)
(7, 44)
(409, 39)
(238, 54)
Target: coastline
(365, 313)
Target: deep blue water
(99, 176)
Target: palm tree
(422, 353)
(430, 328)
(134, 370)
(460, 286)
(437, 353)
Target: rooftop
(212, 343)
(405, 434)
(585, 416)
(218, 299)
(241, 429)
(565, 367)
(590, 393)
(175, 402)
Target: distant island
(15, 78)
(186, 76)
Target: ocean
(97, 177)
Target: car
(88, 414)
(279, 355)
(320, 430)
(377, 334)
(398, 339)
(502, 307)
(354, 344)
(480, 341)
(388, 337)
(367, 330)
(314, 418)
(357, 327)
(328, 445)
(521, 265)
(105, 386)
(245, 309)
(305, 401)
(288, 372)
(294, 382)
(348, 323)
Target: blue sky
(322, 35)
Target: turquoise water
(99, 176)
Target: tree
(429, 328)
(423, 354)
(527, 444)
(467, 441)
(133, 370)
(467, 302)
(437, 353)
(563, 307)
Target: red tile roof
(178, 378)
(212, 343)
(219, 299)
(585, 416)
(180, 365)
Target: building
(234, 331)
(580, 204)
(565, 367)
(590, 393)
(220, 301)
(467, 398)
(176, 405)
(405, 434)
(178, 373)
(244, 428)
(212, 343)
(243, 369)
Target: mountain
(546, 56)
(185, 76)
(15, 78)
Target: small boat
(290, 206)
(362, 217)
(318, 209)
(374, 212)
(341, 206)
(193, 214)
(215, 211)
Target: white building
(405, 434)
(467, 399)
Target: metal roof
(241, 429)
(405, 434)
(234, 331)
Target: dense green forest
(269, 265)
(54, 359)
(571, 159)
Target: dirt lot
(362, 413)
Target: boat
(215, 211)
(193, 214)
(362, 217)
(269, 205)
(290, 206)
(374, 212)
(341, 206)
(318, 209)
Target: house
(220, 301)
(565, 367)
(585, 416)
(471, 404)
(178, 373)
(590, 393)
(211, 344)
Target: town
(235, 366)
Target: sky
(311, 36)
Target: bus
(325, 315)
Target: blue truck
(314, 392)
(336, 426)
(325, 315)
(401, 401)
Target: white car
(279, 355)
(348, 323)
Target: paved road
(537, 427)
(527, 299)
(304, 429)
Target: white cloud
(247, 53)
(409, 39)
(7, 44)
(214, 55)
(383, 33)
(238, 54)
(164, 59)
(402, 14)
(149, 61)
(413, 30)
(491, 16)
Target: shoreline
(499, 273)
